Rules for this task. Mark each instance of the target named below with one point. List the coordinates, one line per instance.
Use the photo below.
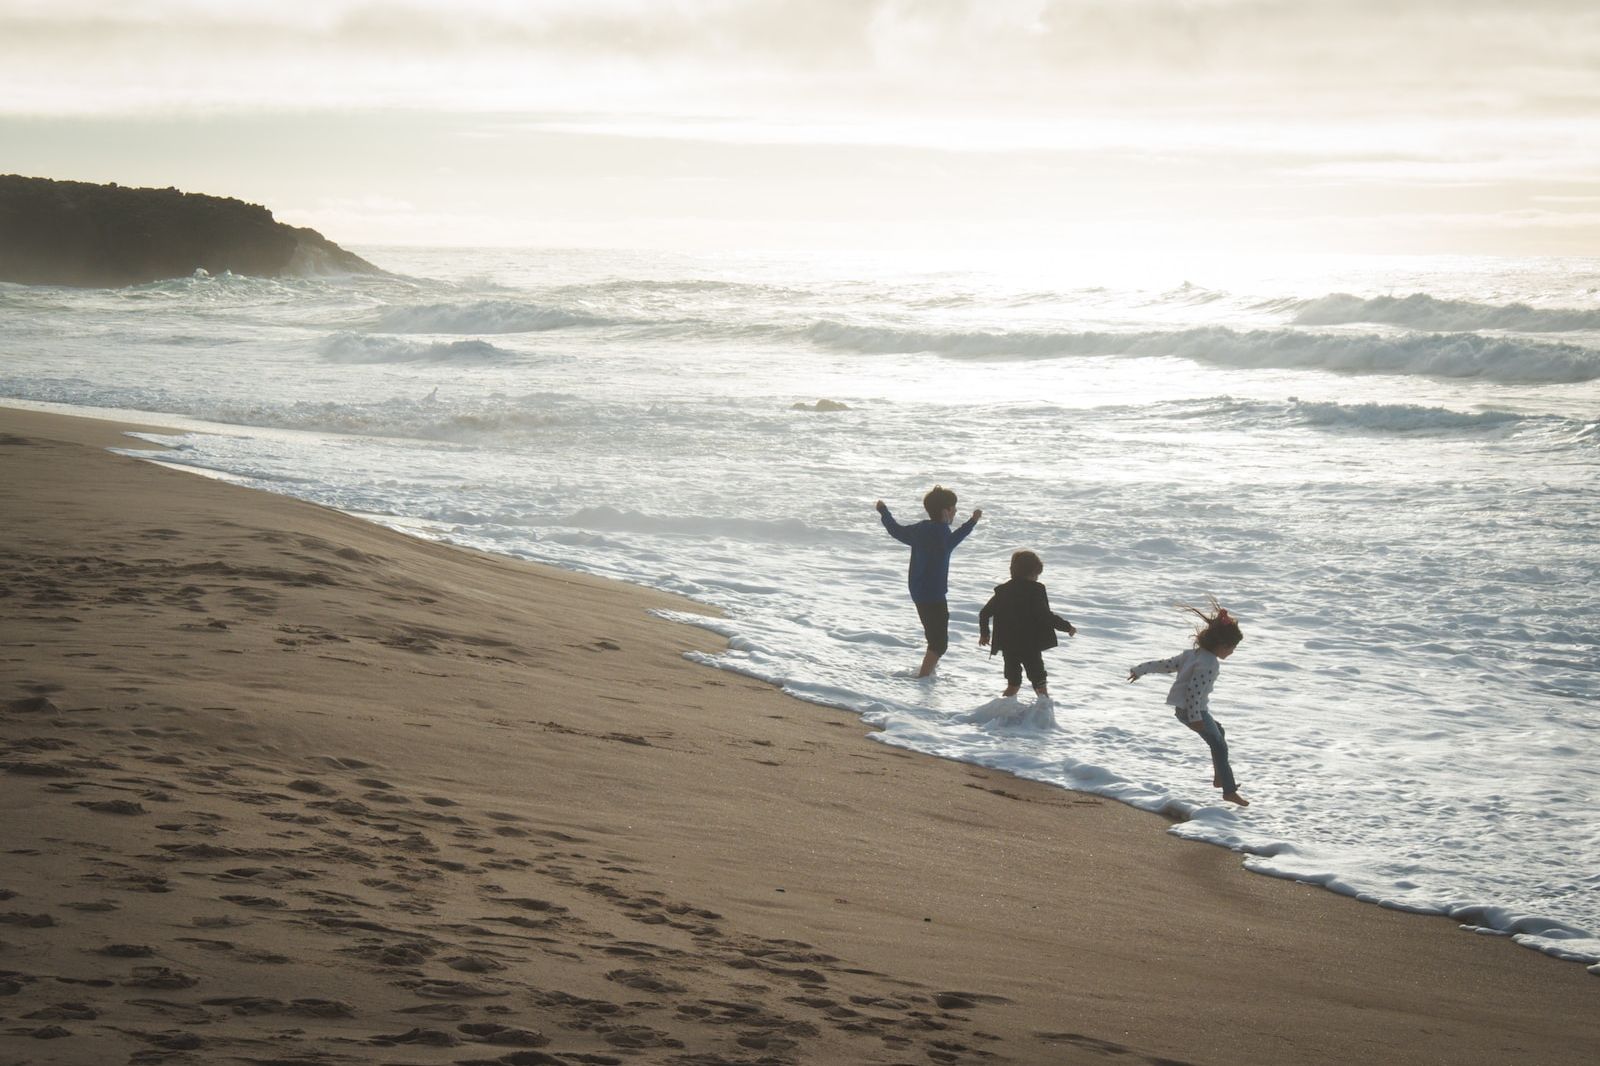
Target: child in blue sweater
(928, 576)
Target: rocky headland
(83, 234)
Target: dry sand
(283, 787)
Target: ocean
(1387, 469)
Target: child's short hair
(1221, 629)
(1026, 564)
(938, 500)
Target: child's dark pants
(1033, 662)
(936, 624)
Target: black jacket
(1023, 621)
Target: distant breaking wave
(366, 348)
(1359, 417)
(1400, 418)
(1421, 311)
(654, 287)
(489, 316)
(1454, 355)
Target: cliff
(78, 233)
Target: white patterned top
(1197, 671)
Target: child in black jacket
(1024, 625)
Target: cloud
(810, 58)
(1235, 108)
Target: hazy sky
(1068, 126)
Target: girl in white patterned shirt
(1190, 694)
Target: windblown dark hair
(937, 499)
(1026, 564)
(1221, 629)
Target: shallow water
(1387, 469)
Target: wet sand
(280, 786)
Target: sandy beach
(281, 786)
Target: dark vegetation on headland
(79, 233)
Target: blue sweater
(931, 544)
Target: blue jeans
(1216, 739)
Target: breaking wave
(1421, 311)
(489, 316)
(366, 348)
(1452, 355)
(1375, 418)
(1399, 418)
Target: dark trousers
(936, 624)
(1032, 662)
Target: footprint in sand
(473, 964)
(185, 1013)
(25, 920)
(64, 1012)
(965, 1000)
(644, 981)
(436, 989)
(449, 1012)
(159, 977)
(502, 1035)
(113, 806)
(263, 902)
(418, 1037)
(636, 1037)
(339, 763)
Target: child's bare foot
(1234, 797)
(1010, 691)
(1216, 782)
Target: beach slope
(280, 786)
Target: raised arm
(959, 534)
(896, 530)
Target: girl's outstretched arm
(1156, 666)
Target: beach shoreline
(285, 780)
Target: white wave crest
(1421, 311)
(1399, 418)
(487, 316)
(1375, 418)
(1453, 355)
(366, 348)
(416, 419)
